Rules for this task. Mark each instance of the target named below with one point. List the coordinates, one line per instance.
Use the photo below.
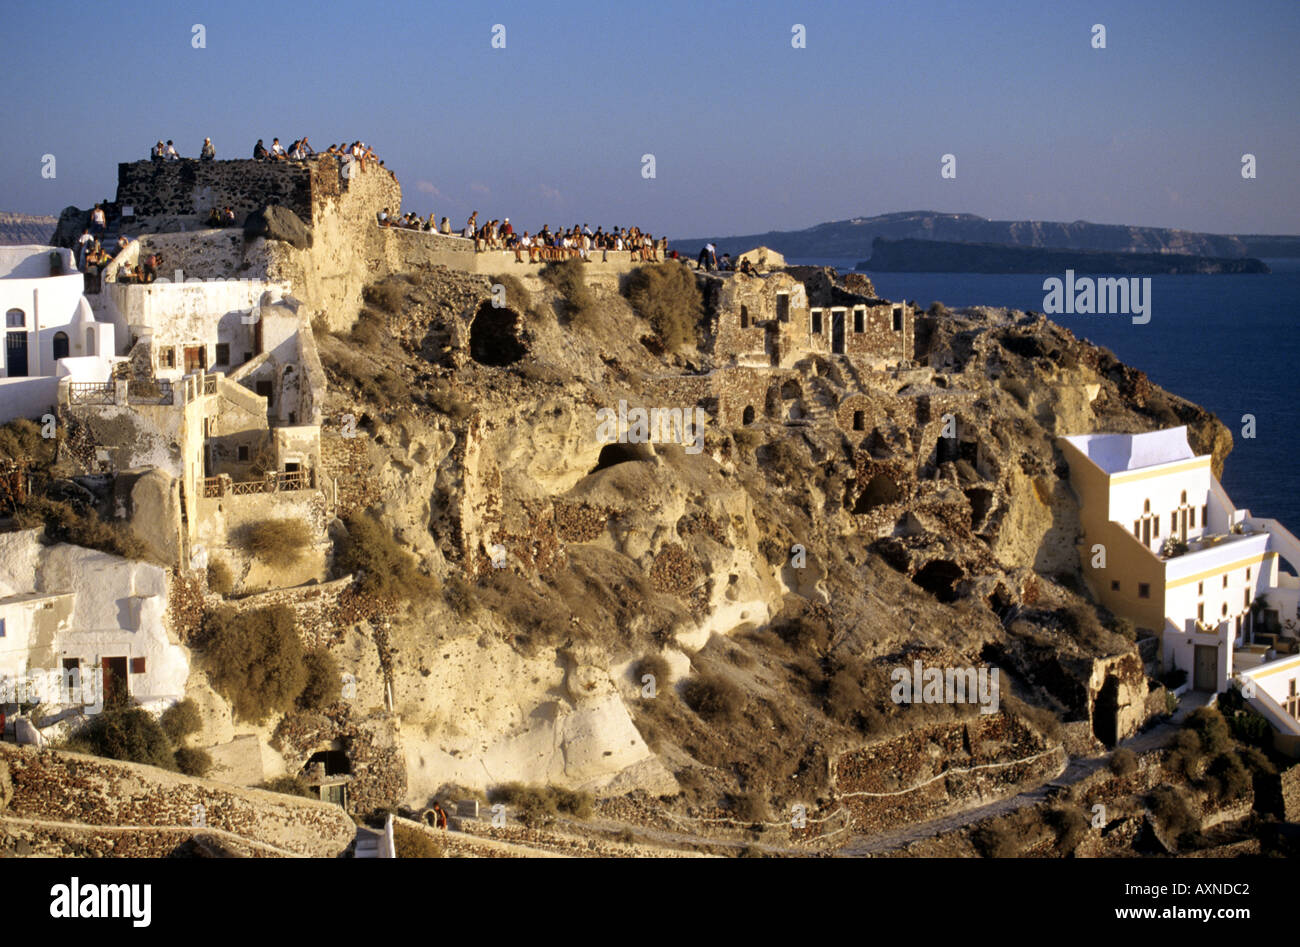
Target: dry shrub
(279, 542)
(21, 442)
(567, 278)
(193, 761)
(1172, 812)
(220, 579)
(412, 843)
(255, 660)
(384, 569)
(130, 734)
(387, 296)
(749, 806)
(324, 681)
(534, 804)
(516, 297)
(1123, 762)
(66, 522)
(291, 786)
(657, 666)
(666, 295)
(713, 697)
(181, 719)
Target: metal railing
(92, 392)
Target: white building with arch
(50, 331)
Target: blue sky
(748, 133)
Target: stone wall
(191, 188)
(87, 790)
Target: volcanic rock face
(780, 572)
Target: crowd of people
(577, 242)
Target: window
(744, 317)
(1173, 522)
(1225, 609)
(1137, 527)
(2, 627)
(1245, 599)
(1225, 581)
(167, 357)
(816, 322)
(60, 345)
(1183, 499)
(1114, 585)
(223, 353)
(1155, 525)
(859, 320)
(265, 390)
(783, 307)
(1144, 590)
(248, 357)
(1200, 588)
(137, 665)
(243, 452)
(1191, 517)
(859, 420)
(1146, 506)
(898, 318)
(1247, 574)
(1200, 612)
(1205, 514)
(15, 319)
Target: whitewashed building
(67, 609)
(1165, 547)
(50, 331)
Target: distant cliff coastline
(19, 229)
(934, 256)
(852, 239)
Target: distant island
(852, 239)
(937, 256)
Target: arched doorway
(60, 345)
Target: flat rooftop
(1116, 453)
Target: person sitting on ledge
(277, 150)
(305, 148)
(208, 152)
(228, 216)
(382, 217)
(171, 154)
(214, 218)
(149, 269)
(259, 151)
(122, 243)
(156, 153)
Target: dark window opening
(266, 390)
(898, 319)
(747, 416)
(859, 420)
(859, 321)
(1144, 590)
(783, 307)
(816, 322)
(223, 353)
(334, 762)
(137, 665)
(60, 345)
(243, 452)
(744, 317)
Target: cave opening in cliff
(981, 501)
(613, 454)
(939, 577)
(494, 336)
(879, 491)
(333, 763)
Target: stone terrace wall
(87, 790)
(189, 187)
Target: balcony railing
(91, 392)
(282, 482)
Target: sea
(1230, 343)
